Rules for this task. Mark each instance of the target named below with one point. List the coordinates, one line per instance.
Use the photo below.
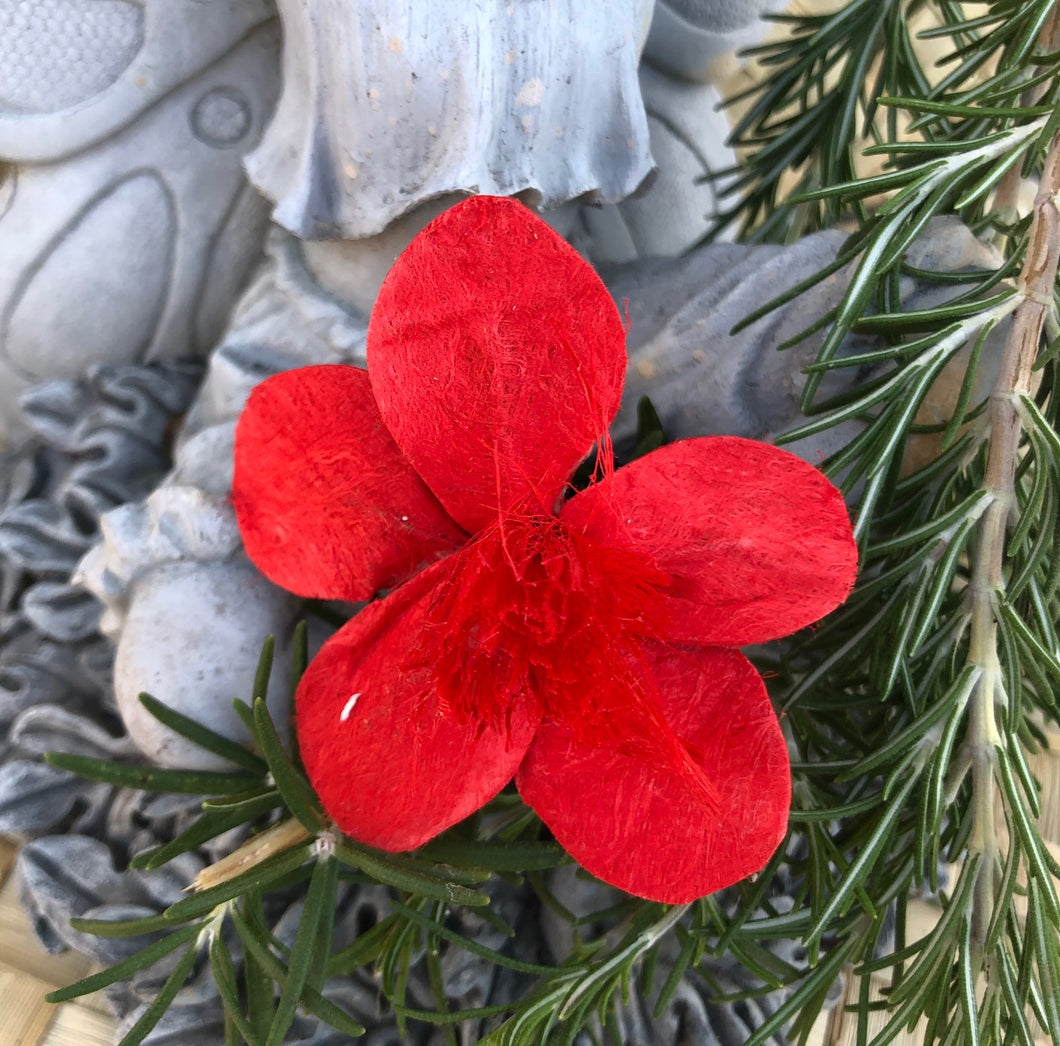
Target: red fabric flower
(584, 645)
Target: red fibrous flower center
(535, 607)
(536, 610)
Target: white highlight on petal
(348, 708)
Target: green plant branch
(988, 579)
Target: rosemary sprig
(912, 711)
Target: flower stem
(988, 582)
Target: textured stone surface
(74, 72)
(704, 379)
(81, 49)
(94, 444)
(677, 207)
(688, 36)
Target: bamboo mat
(28, 973)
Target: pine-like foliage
(913, 710)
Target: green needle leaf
(151, 778)
(127, 967)
(153, 1014)
(477, 1013)
(203, 736)
(292, 785)
(264, 669)
(319, 908)
(852, 880)
(299, 653)
(404, 875)
(210, 825)
(260, 877)
(365, 950)
(312, 1000)
(261, 998)
(224, 975)
(246, 715)
(439, 929)
(118, 928)
(497, 856)
(675, 976)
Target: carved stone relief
(127, 226)
(126, 232)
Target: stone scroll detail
(95, 444)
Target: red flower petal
(648, 829)
(327, 505)
(757, 542)
(497, 357)
(390, 767)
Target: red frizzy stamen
(533, 605)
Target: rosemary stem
(988, 582)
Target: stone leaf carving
(94, 443)
(35, 797)
(61, 876)
(38, 535)
(105, 437)
(37, 671)
(53, 728)
(179, 1026)
(59, 612)
(387, 105)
